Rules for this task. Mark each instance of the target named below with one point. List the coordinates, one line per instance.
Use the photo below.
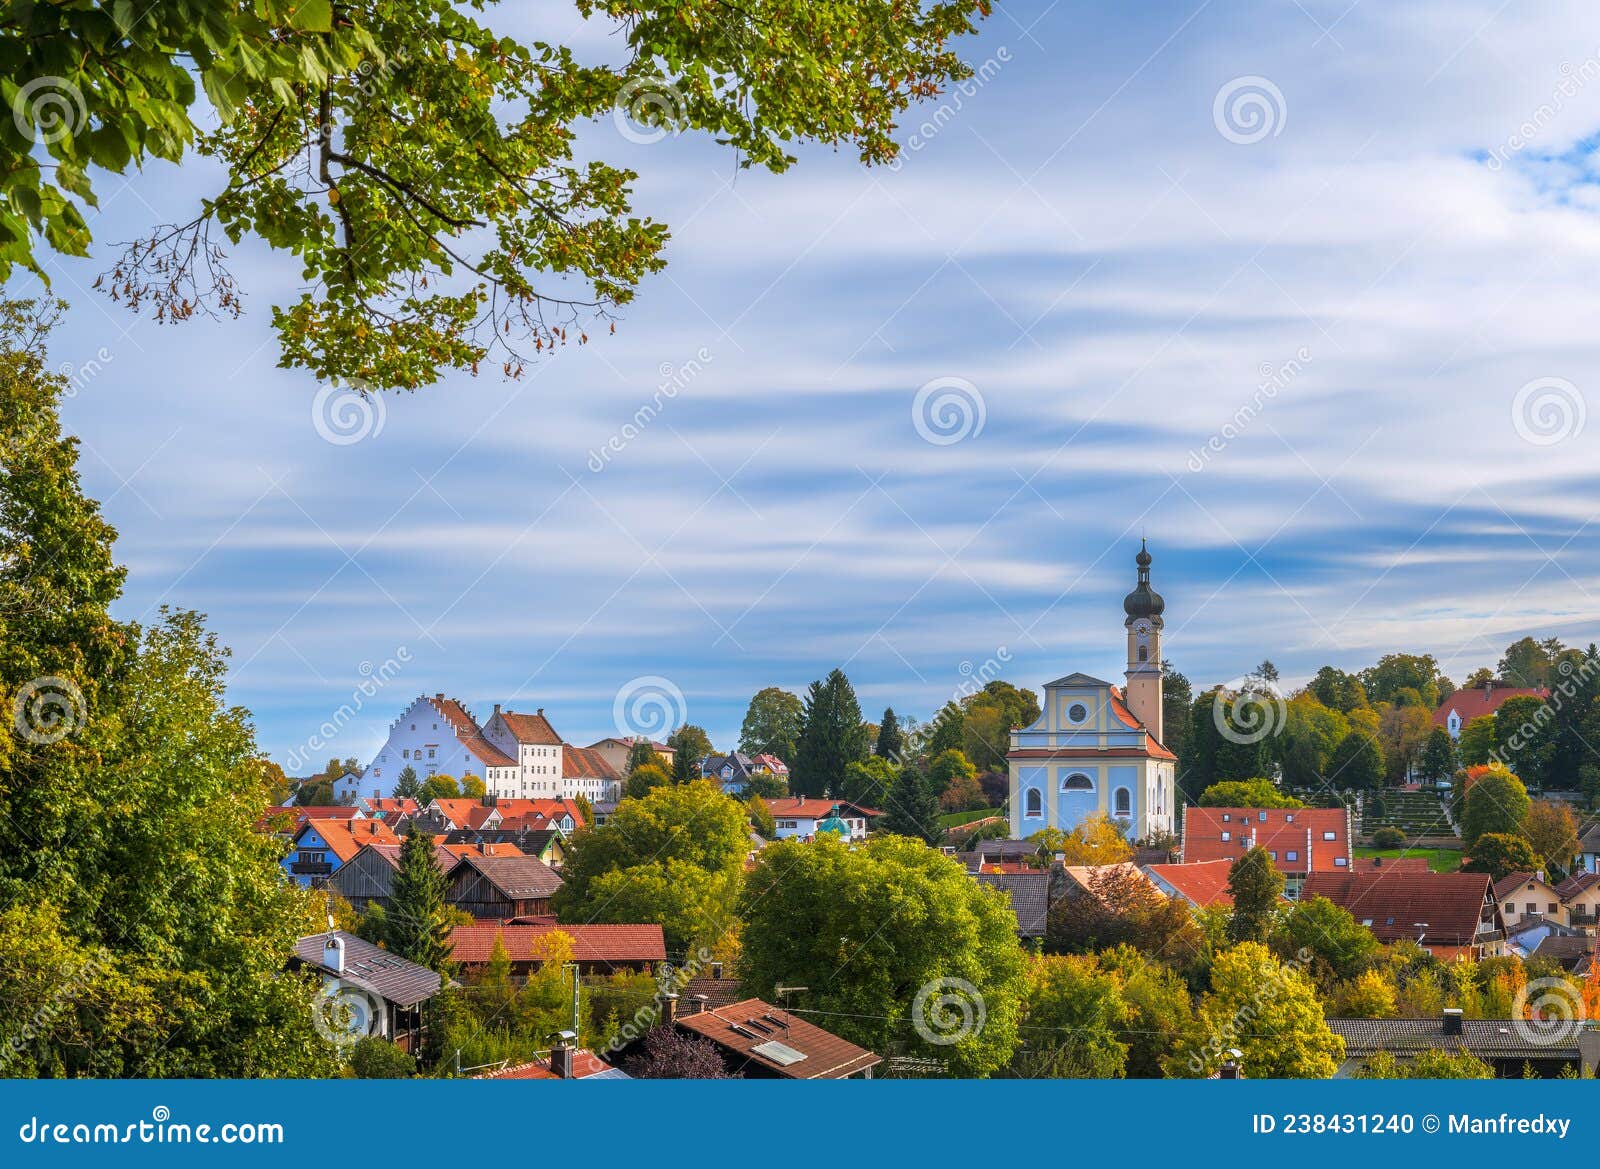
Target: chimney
(1488, 688)
(561, 1054)
(700, 1001)
(1452, 1021)
(669, 1009)
(440, 696)
(333, 954)
(540, 711)
(1232, 1067)
(497, 708)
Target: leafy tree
(1529, 663)
(987, 719)
(883, 934)
(1177, 695)
(912, 808)
(473, 788)
(1073, 1021)
(132, 880)
(1438, 756)
(670, 1054)
(644, 779)
(1266, 671)
(948, 732)
(947, 767)
(761, 818)
(405, 785)
(1121, 907)
(438, 787)
(1338, 690)
(690, 746)
(831, 737)
(1214, 756)
(1388, 837)
(891, 743)
(1257, 890)
(1402, 731)
(1424, 1065)
(1247, 793)
(869, 781)
(1094, 840)
(1527, 738)
(1370, 995)
(419, 164)
(417, 923)
(1552, 830)
(772, 724)
(1496, 802)
(1356, 763)
(1479, 740)
(673, 856)
(373, 1058)
(1479, 678)
(1500, 854)
(642, 753)
(1397, 672)
(1160, 1012)
(767, 785)
(1338, 946)
(1267, 1010)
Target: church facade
(1097, 747)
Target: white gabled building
(518, 756)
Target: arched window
(1122, 805)
(1077, 782)
(1034, 803)
(1144, 653)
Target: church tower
(1143, 607)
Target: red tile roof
(1278, 830)
(550, 809)
(1444, 908)
(466, 729)
(463, 812)
(389, 805)
(533, 729)
(801, 808)
(1202, 883)
(472, 944)
(1479, 701)
(772, 763)
(741, 1029)
(346, 838)
(585, 763)
(585, 1063)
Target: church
(1097, 748)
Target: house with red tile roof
(799, 817)
(563, 1063)
(1201, 884)
(447, 814)
(1096, 748)
(615, 750)
(1465, 705)
(322, 847)
(1451, 915)
(1300, 841)
(760, 1041)
(602, 949)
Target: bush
(1389, 837)
(378, 1059)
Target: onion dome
(1144, 601)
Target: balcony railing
(310, 868)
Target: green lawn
(957, 819)
(1440, 860)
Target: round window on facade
(1077, 712)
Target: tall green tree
(1496, 802)
(416, 922)
(899, 948)
(1177, 697)
(772, 724)
(1438, 756)
(1478, 741)
(831, 737)
(1398, 672)
(642, 753)
(1257, 890)
(420, 165)
(1357, 763)
(912, 808)
(405, 784)
(891, 743)
(1529, 663)
(1075, 1021)
(131, 877)
(1338, 690)
(987, 719)
(690, 746)
(1214, 756)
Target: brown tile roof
(718, 992)
(1371, 864)
(533, 729)
(1513, 882)
(745, 1029)
(1284, 830)
(466, 729)
(1393, 903)
(374, 968)
(1476, 702)
(584, 763)
(1202, 883)
(518, 878)
(345, 839)
(1576, 885)
(472, 944)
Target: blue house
(322, 847)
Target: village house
(1463, 706)
(1527, 895)
(1580, 900)
(1300, 841)
(1504, 1044)
(565, 1062)
(321, 847)
(1202, 884)
(596, 949)
(615, 751)
(367, 989)
(760, 1041)
(1451, 915)
(1094, 751)
(501, 887)
(546, 844)
(798, 817)
(1589, 848)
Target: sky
(1305, 293)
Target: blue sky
(1099, 242)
